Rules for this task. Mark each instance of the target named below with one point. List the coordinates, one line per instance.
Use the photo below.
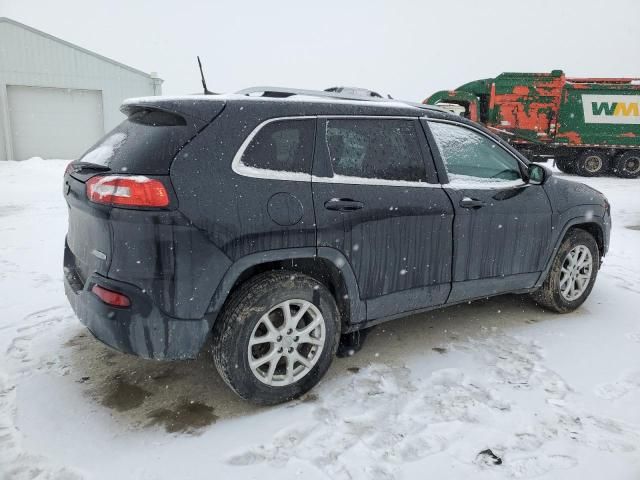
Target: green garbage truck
(590, 126)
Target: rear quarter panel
(231, 209)
(168, 259)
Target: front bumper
(141, 329)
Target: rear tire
(627, 164)
(592, 163)
(575, 265)
(565, 164)
(295, 348)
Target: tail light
(110, 297)
(127, 190)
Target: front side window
(282, 146)
(472, 157)
(375, 148)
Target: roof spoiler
(188, 106)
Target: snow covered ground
(553, 396)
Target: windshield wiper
(79, 166)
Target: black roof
(203, 106)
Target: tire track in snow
(519, 363)
(624, 273)
(34, 325)
(21, 362)
(14, 462)
(38, 314)
(396, 419)
(633, 336)
(627, 383)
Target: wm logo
(615, 108)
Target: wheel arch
(326, 265)
(596, 231)
(590, 224)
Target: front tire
(572, 273)
(276, 338)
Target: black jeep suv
(266, 227)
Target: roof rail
(283, 92)
(365, 92)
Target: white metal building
(57, 99)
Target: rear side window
(375, 148)
(282, 146)
(144, 143)
(469, 156)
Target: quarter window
(284, 146)
(470, 156)
(376, 149)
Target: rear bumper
(141, 329)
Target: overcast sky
(406, 48)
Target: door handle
(467, 202)
(343, 205)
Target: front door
(378, 203)
(502, 224)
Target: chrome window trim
(381, 182)
(241, 169)
(480, 185)
(246, 171)
(471, 185)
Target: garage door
(53, 122)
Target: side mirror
(538, 174)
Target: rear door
(502, 223)
(377, 202)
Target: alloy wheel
(286, 343)
(576, 272)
